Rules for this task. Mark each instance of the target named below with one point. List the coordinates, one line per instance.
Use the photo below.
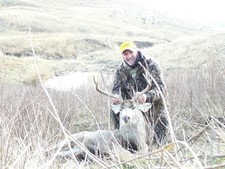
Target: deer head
(128, 108)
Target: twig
(173, 138)
(202, 156)
(142, 156)
(18, 158)
(174, 160)
(56, 116)
(136, 158)
(216, 166)
(192, 152)
(172, 135)
(194, 138)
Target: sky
(200, 10)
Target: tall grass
(28, 128)
(26, 119)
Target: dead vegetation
(28, 125)
(66, 41)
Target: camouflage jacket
(126, 79)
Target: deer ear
(115, 108)
(144, 107)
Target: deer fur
(132, 134)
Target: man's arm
(116, 87)
(116, 83)
(156, 73)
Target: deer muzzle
(126, 119)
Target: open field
(84, 36)
(29, 125)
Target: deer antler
(148, 83)
(106, 93)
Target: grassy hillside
(87, 32)
(194, 52)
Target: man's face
(130, 56)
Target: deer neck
(135, 132)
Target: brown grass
(27, 128)
(84, 36)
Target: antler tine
(148, 83)
(106, 93)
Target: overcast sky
(204, 10)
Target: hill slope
(89, 33)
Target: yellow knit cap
(127, 45)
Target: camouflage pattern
(128, 79)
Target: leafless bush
(26, 119)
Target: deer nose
(127, 119)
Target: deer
(132, 134)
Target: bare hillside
(89, 32)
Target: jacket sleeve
(116, 83)
(156, 72)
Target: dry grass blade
(173, 159)
(220, 166)
(56, 116)
(173, 138)
(193, 153)
(19, 157)
(194, 138)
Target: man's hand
(115, 101)
(141, 99)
